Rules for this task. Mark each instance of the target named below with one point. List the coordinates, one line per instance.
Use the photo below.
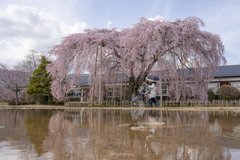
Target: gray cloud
(24, 28)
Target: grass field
(3, 103)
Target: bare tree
(6, 95)
(31, 61)
(1, 92)
(14, 80)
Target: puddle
(119, 134)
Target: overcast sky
(39, 24)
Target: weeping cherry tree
(174, 46)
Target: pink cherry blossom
(136, 51)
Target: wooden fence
(194, 103)
(189, 103)
(104, 104)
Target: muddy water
(119, 134)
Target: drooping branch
(136, 50)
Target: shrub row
(19, 103)
(58, 102)
(54, 102)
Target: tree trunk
(94, 77)
(16, 97)
(133, 87)
(125, 85)
(160, 78)
(100, 83)
(183, 85)
(176, 79)
(161, 94)
(121, 87)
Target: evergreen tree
(40, 83)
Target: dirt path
(123, 108)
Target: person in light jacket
(152, 96)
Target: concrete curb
(124, 108)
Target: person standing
(152, 97)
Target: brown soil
(5, 106)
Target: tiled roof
(223, 71)
(228, 71)
(83, 80)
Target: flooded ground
(119, 134)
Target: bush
(227, 90)
(227, 98)
(30, 99)
(60, 102)
(19, 103)
(11, 103)
(23, 103)
(211, 95)
(95, 98)
(44, 99)
(117, 99)
(54, 101)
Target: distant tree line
(28, 80)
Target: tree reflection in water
(96, 134)
(36, 124)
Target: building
(229, 75)
(225, 75)
(81, 91)
(82, 87)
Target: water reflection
(96, 134)
(36, 123)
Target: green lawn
(3, 103)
